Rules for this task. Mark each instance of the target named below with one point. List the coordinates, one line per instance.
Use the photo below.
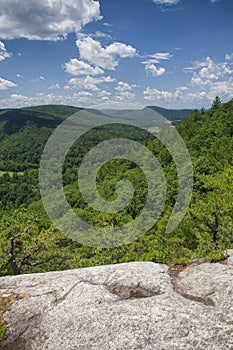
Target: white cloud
(6, 84)
(155, 94)
(38, 79)
(54, 87)
(113, 104)
(3, 52)
(124, 92)
(167, 2)
(76, 67)
(229, 57)
(97, 34)
(190, 96)
(181, 97)
(155, 72)
(107, 24)
(17, 100)
(104, 95)
(121, 50)
(222, 88)
(45, 19)
(83, 93)
(105, 98)
(82, 96)
(107, 58)
(124, 96)
(84, 83)
(121, 86)
(150, 63)
(81, 99)
(90, 83)
(206, 72)
(159, 56)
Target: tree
(25, 247)
(216, 103)
(212, 214)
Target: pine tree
(216, 103)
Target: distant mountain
(175, 115)
(54, 110)
(24, 132)
(117, 112)
(14, 120)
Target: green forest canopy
(30, 243)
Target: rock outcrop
(130, 306)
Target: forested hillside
(175, 115)
(23, 134)
(30, 242)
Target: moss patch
(4, 304)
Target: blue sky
(116, 54)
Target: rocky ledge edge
(130, 306)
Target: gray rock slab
(129, 306)
(230, 259)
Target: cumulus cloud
(103, 99)
(190, 96)
(83, 96)
(18, 100)
(15, 100)
(121, 50)
(6, 84)
(221, 88)
(45, 19)
(155, 94)
(77, 67)
(125, 96)
(181, 97)
(121, 86)
(90, 83)
(3, 52)
(124, 92)
(150, 63)
(104, 95)
(206, 72)
(155, 72)
(105, 57)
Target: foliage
(30, 243)
(4, 302)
